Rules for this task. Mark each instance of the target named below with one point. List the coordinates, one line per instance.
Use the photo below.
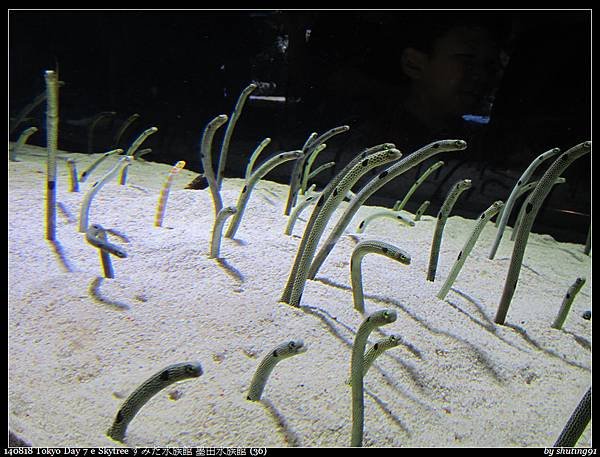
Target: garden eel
(206, 159)
(361, 249)
(164, 193)
(421, 210)
(514, 195)
(140, 396)
(309, 147)
(577, 422)
(215, 243)
(416, 185)
(52, 144)
(466, 250)
(283, 351)
(383, 213)
(376, 319)
(263, 144)
(535, 202)
(567, 302)
(326, 205)
(237, 111)
(316, 211)
(73, 175)
(251, 182)
(96, 236)
(320, 169)
(139, 140)
(86, 173)
(445, 210)
(23, 137)
(309, 162)
(373, 186)
(123, 127)
(93, 125)
(376, 350)
(308, 200)
(521, 214)
(87, 199)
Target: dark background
(180, 69)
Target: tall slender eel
(51, 146)
(130, 120)
(466, 250)
(251, 182)
(514, 193)
(373, 186)
(309, 147)
(421, 210)
(281, 352)
(206, 159)
(86, 173)
(263, 144)
(96, 236)
(363, 248)
(308, 200)
(317, 210)
(533, 206)
(326, 205)
(72, 166)
(307, 168)
(577, 423)
(237, 111)
(567, 302)
(139, 140)
(417, 183)
(374, 320)
(164, 193)
(215, 243)
(445, 210)
(92, 191)
(140, 396)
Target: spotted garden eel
(536, 200)
(466, 250)
(418, 182)
(443, 214)
(577, 423)
(206, 159)
(327, 204)
(309, 199)
(283, 351)
(567, 302)
(254, 156)
(374, 320)
(383, 213)
(421, 210)
(93, 125)
(140, 396)
(317, 210)
(51, 145)
(96, 236)
(74, 181)
(23, 137)
(164, 193)
(237, 111)
(251, 182)
(376, 350)
(373, 186)
(139, 140)
(86, 173)
(363, 248)
(215, 243)
(92, 191)
(309, 147)
(320, 169)
(521, 214)
(130, 120)
(514, 195)
(309, 162)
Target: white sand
(79, 345)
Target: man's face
(462, 72)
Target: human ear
(413, 63)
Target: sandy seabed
(80, 343)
